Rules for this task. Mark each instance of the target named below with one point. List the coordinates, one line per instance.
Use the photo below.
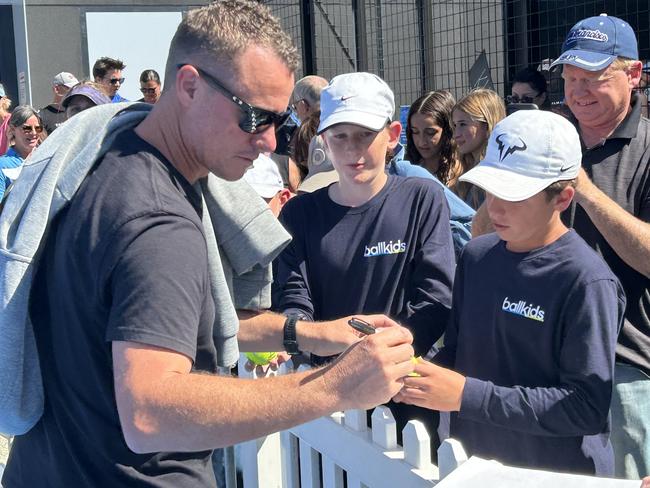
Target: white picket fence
(325, 452)
(322, 452)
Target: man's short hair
(221, 31)
(104, 65)
(623, 64)
(309, 89)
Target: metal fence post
(308, 37)
(425, 26)
(360, 34)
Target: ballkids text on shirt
(382, 248)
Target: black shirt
(52, 116)
(125, 261)
(535, 334)
(621, 169)
(391, 255)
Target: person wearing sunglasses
(132, 325)
(529, 86)
(25, 133)
(150, 86)
(108, 73)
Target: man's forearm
(264, 331)
(628, 235)
(260, 331)
(202, 412)
(163, 406)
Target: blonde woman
(474, 117)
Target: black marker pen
(361, 325)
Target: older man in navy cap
(600, 69)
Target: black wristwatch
(290, 341)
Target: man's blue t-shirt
(535, 334)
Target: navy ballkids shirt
(535, 335)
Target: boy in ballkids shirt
(535, 315)
(371, 242)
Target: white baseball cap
(526, 152)
(356, 98)
(264, 176)
(65, 78)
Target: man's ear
(634, 74)
(187, 79)
(564, 198)
(394, 131)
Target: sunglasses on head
(148, 91)
(115, 81)
(28, 129)
(254, 119)
(516, 99)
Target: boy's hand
(436, 388)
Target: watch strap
(290, 340)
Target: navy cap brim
(587, 60)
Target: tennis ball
(415, 360)
(261, 358)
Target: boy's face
(359, 154)
(531, 223)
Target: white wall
(140, 39)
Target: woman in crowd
(83, 96)
(529, 86)
(149, 86)
(429, 136)
(474, 117)
(25, 132)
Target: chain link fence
(421, 45)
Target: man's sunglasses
(516, 99)
(148, 91)
(254, 119)
(115, 81)
(28, 129)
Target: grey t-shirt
(125, 261)
(621, 169)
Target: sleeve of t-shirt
(429, 286)
(644, 211)
(158, 284)
(446, 356)
(579, 403)
(293, 293)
